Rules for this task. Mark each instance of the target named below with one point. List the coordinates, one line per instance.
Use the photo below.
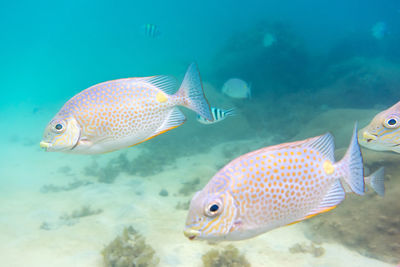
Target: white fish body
(121, 113)
(236, 88)
(273, 187)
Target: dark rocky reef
(129, 250)
(227, 257)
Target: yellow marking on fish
(161, 97)
(312, 215)
(328, 167)
(151, 137)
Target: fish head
(211, 216)
(383, 133)
(61, 134)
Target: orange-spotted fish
(272, 187)
(121, 113)
(383, 132)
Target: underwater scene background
(313, 66)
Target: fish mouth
(369, 137)
(45, 145)
(191, 234)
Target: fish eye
(392, 122)
(58, 126)
(213, 209)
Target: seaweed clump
(304, 248)
(182, 205)
(190, 187)
(229, 257)
(84, 211)
(129, 250)
(50, 188)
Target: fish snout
(44, 145)
(368, 137)
(191, 233)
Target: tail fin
(192, 91)
(351, 166)
(376, 181)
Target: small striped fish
(218, 115)
(121, 113)
(151, 30)
(383, 132)
(272, 187)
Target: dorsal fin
(167, 84)
(324, 144)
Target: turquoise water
(325, 70)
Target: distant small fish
(121, 113)
(236, 88)
(151, 30)
(269, 39)
(379, 30)
(218, 115)
(383, 132)
(273, 187)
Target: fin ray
(174, 119)
(323, 144)
(191, 90)
(376, 181)
(351, 166)
(165, 83)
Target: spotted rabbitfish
(273, 187)
(218, 115)
(383, 132)
(121, 113)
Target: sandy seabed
(130, 200)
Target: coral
(129, 250)
(304, 248)
(229, 257)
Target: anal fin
(174, 119)
(333, 198)
(335, 195)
